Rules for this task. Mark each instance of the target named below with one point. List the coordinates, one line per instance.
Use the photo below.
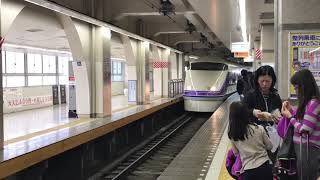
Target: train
(207, 85)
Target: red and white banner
(26, 101)
(161, 64)
(258, 54)
(1, 41)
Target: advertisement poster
(303, 54)
(132, 90)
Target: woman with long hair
(305, 119)
(251, 142)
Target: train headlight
(213, 88)
(188, 88)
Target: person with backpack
(250, 142)
(243, 84)
(306, 119)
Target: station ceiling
(216, 23)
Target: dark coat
(254, 100)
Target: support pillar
(180, 64)
(81, 44)
(157, 71)
(1, 87)
(289, 21)
(9, 10)
(143, 80)
(267, 44)
(137, 55)
(102, 70)
(173, 65)
(166, 71)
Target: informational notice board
(132, 90)
(303, 54)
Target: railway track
(152, 157)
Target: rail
(175, 87)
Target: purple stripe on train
(221, 93)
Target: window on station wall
(117, 71)
(4, 81)
(15, 81)
(3, 62)
(34, 63)
(49, 64)
(63, 65)
(49, 80)
(14, 62)
(63, 80)
(34, 80)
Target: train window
(208, 66)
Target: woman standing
(264, 97)
(251, 142)
(305, 119)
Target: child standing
(251, 142)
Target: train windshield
(208, 66)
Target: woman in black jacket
(263, 100)
(264, 97)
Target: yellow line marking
(224, 175)
(73, 123)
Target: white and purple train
(207, 85)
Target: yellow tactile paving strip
(73, 123)
(224, 175)
(39, 133)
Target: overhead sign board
(239, 47)
(241, 54)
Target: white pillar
(157, 71)
(267, 44)
(102, 61)
(79, 35)
(165, 59)
(1, 88)
(180, 63)
(173, 65)
(143, 83)
(9, 10)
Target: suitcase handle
(301, 154)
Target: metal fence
(175, 87)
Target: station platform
(30, 139)
(30, 123)
(204, 156)
(120, 102)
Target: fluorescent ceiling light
(242, 4)
(193, 57)
(117, 59)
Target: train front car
(206, 86)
